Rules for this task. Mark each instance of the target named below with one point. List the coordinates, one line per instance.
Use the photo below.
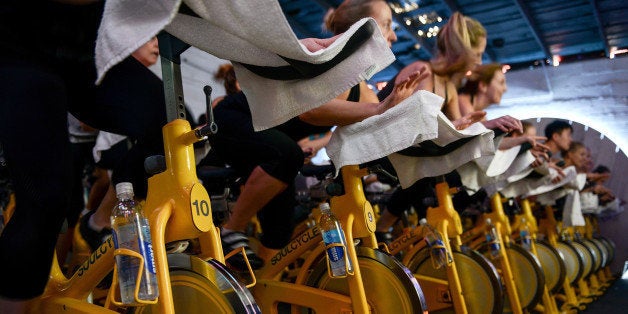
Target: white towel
(253, 32)
(411, 169)
(538, 186)
(523, 163)
(572, 212)
(485, 170)
(518, 170)
(550, 197)
(570, 176)
(412, 121)
(590, 202)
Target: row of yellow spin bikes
(192, 278)
(546, 268)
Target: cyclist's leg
(277, 221)
(402, 199)
(130, 102)
(99, 187)
(269, 158)
(33, 131)
(82, 159)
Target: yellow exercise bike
(469, 283)
(178, 209)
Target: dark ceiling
(520, 32)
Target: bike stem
(447, 222)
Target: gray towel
(253, 32)
(412, 121)
(410, 169)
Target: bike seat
(317, 171)
(305, 70)
(211, 173)
(217, 179)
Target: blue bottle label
(146, 247)
(492, 243)
(335, 253)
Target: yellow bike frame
(357, 218)
(475, 237)
(526, 217)
(173, 215)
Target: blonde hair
(481, 73)
(350, 11)
(455, 43)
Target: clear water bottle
(334, 239)
(131, 231)
(438, 251)
(492, 239)
(524, 235)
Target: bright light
(615, 51)
(556, 60)
(380, 85)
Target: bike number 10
(201, 208)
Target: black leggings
(275, 152)
(34, 99)
(82, 159)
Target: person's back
(47, 69)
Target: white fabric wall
(594, 95)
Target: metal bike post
(170, 50)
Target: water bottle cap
(324, 206)
(422, 221)
(124, 188)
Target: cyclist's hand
(469, 119)
(559, 171)
(405, 88)
(316, 44)
(505, 123)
